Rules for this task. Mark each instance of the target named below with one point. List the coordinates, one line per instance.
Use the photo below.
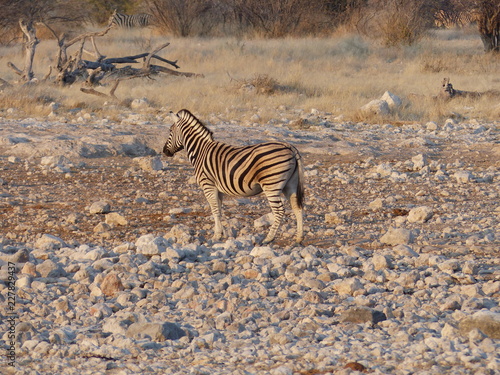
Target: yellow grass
(336, 75)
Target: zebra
(133, 20)
(274, 168)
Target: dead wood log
(30, 43)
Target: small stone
(29, 269)
(420, 214)
(155, 331)
(263, 252)
(334, 218)
(13, 159)
(264, 221)
(419, 161)
(114, 218)
(362, 314)
(463, 177)
(23, 282)
(49, 242)
(393, 101)
(150, 164)
(431, 126)
(376, 107)
(102, 228)
(377, 204)
(111, 285)
(312, 296)
(381, 262)
(449, 331)
(140, 103)
(219, 266)
(349, 286)
(21, 256)
(50, 269)
(397, 236)
(470, 268)
(404, 251)
(486, 321)
(150, 245)
(99, 207)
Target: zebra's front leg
(276, 204)
(214, 199)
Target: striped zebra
(133, 20)
(274, 168)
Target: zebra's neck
(196, 139)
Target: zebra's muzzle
(166, 151)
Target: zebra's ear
(174, 116)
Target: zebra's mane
(188, 117)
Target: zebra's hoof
(267, 241)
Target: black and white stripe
(274, 168)
(133, 20)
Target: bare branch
(149, 56)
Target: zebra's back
(132, 20)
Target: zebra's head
(175, 142)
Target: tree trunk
(30, 42)
(489, 26)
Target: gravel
(116, 273)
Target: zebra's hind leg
(214, 199)
(297, 210)
(291, 192)
(276, 204)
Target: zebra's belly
(237, 192)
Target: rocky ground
(116, 272)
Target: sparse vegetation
(336, 75)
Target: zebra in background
(133, 20)
(274, 168)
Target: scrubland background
(260, 69)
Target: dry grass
(336, 75)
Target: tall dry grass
(336, 75)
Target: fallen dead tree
(106, 70)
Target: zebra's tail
(300, 181)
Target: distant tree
(180, 17)
(488, 20)
(485, 13)
(25, 15)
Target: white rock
(381, 262)
(376, 204)
(419, 161)
(405, 251)
(420, 214)
(114, 218)
(49, 242)
(264, 221)
(349, 286)
(150, 245)
(431, 126)
(463, 177)
(263, 252)
(393, 101)
(376, 107)
(384, 170)
(139, 103)
(397, 236)
(99, 207)
(150, 164)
